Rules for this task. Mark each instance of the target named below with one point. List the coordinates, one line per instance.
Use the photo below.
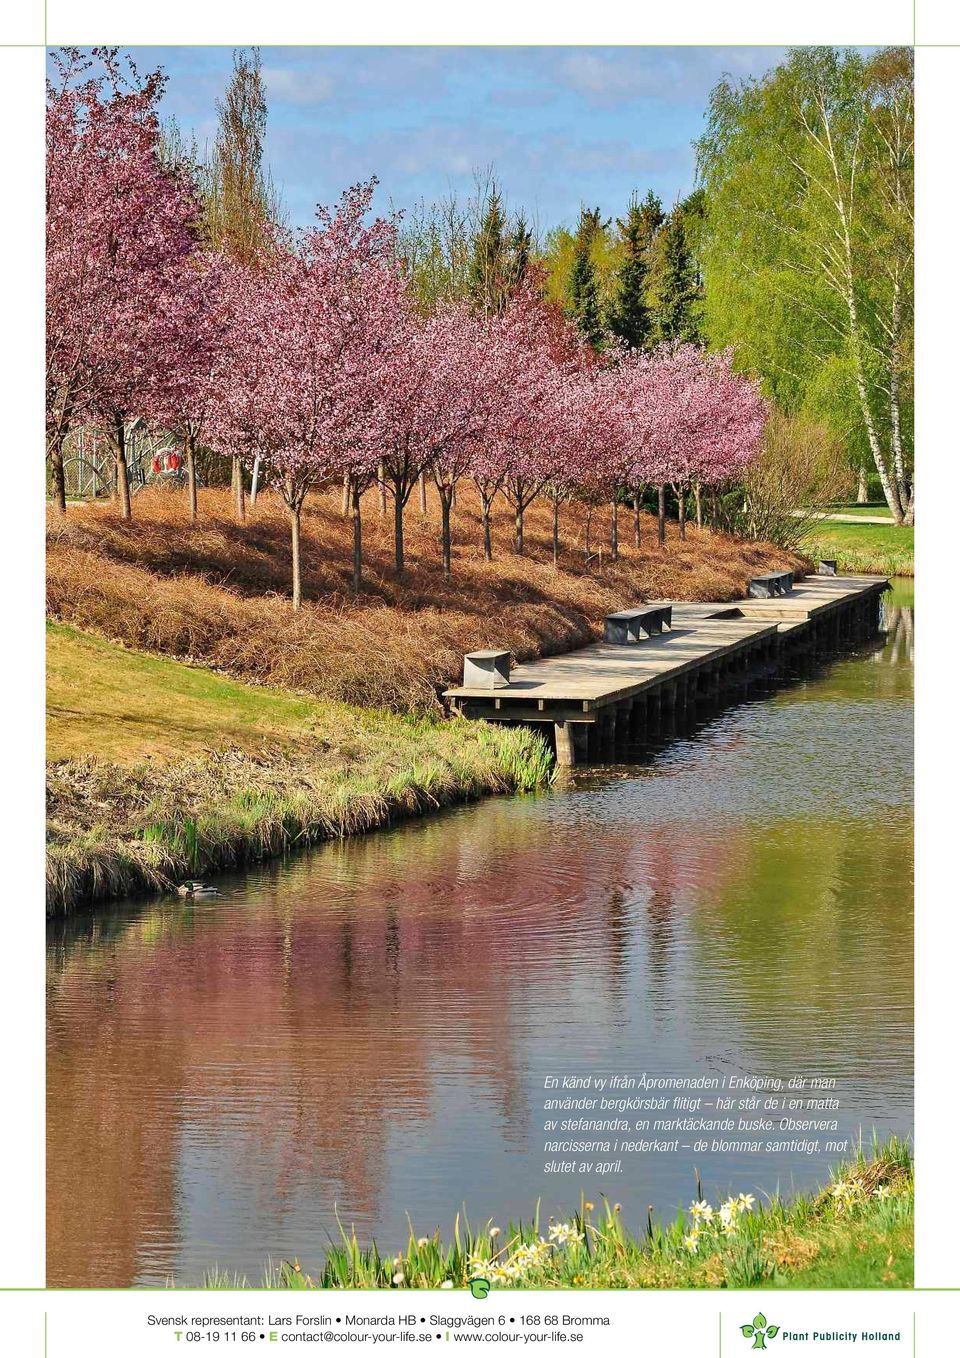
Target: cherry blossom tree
(120, 232)
(712, 419)
(183, 393)
(296, 381)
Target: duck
(196, 889)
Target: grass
(863, 548)
(127, 706)
(217, 592)
(195, 772)
(857, 1232)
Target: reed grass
(122, 831)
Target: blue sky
(560, 125)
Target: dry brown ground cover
(217, 592)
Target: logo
(479, 1287)
(759, 1331)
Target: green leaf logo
(479, 1287)
(759, 1331)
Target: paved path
(842, 518)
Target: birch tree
(808, 248)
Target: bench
(828, 566)
(770, 586)
(486, 669)
(625, 626)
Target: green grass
(126, 705)
(161, 771)
(857, 1232)
(863, 548)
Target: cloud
(298, 86)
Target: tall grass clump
(117, 831)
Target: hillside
(216, 591)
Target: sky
(561, 126)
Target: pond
(364, 1031)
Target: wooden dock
(605, 696)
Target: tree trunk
(446, 497)
(614, 530)
(59, 481)
(423, 492)
(661, 514)
(556, 532)
(636, 520)
(682, 511)
(518, 529)
(295, 554)
(485, 502)
(863, 490)
(357, 537)
(123, 480)
(382, 488)
(698, 503)
(190, 457)
(346, 501)
(398, 560)
(238, 495)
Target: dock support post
(653, 712)
(606, 724)
(638, 719)
(565, 745)
(621, 725)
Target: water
(366, 1030)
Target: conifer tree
(584, 295)
(521, 241)
(488, 266)
(630, 318)
(679, 291)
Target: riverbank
(194, 772)
(856, 1232)
(197, 723)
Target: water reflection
(369, 1026)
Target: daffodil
(701, 1211)
(691, 1241)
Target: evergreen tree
(584, 295)
(630, 317)
(651, 218)
(521, 241)
(489, 263)
(679, 291)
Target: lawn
(125, 706)
(866, 548)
